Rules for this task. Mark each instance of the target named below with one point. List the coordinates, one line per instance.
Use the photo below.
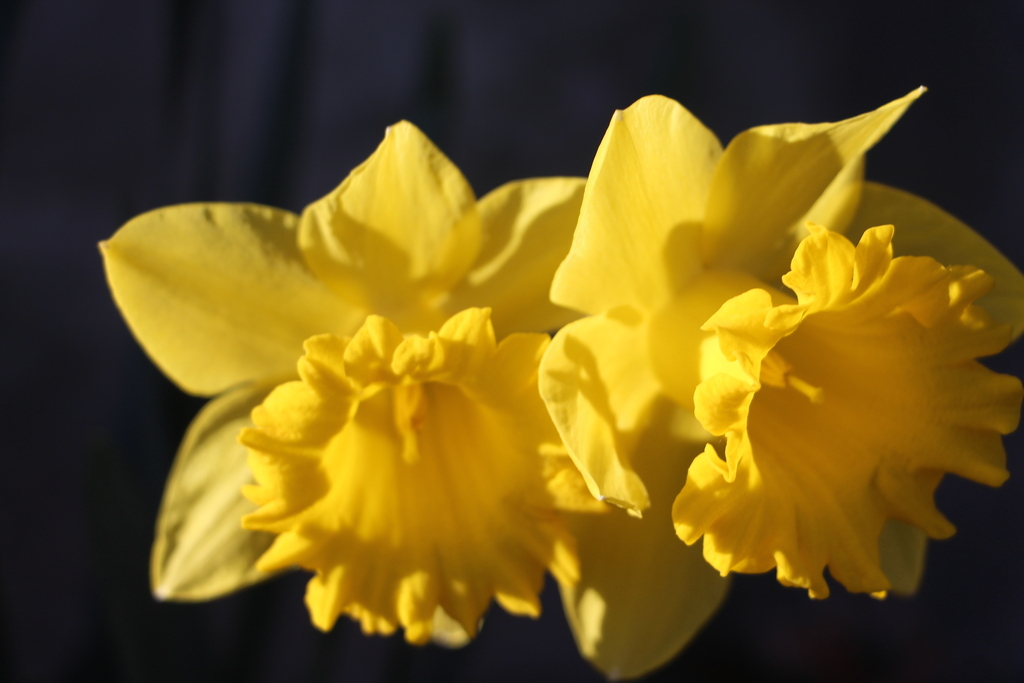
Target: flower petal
(218, 294)
(925, 229)
(677, 340)
(447, 632)
(398, 233)
(642, 595)
(598, 385)
(901, 550)
(770, 176)
(528, 227)
(637, 238)
(201, 550)
(834, 209)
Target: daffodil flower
(842, 410)
(678, 259)
(404, 464)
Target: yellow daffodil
(843, 410)
(405, 465)
(406, 472)
(678, 258)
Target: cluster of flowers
(392, 414)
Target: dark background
(109, 108)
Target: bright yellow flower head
(844, 410)
(224, 297)
(405, 472)
(672, 227)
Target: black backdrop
(112, 107)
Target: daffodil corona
(412, 465)
(405, 472)
(790, 433)
(843, 409)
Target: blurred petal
(218, 294)
(527, 227)
(447, 632)
(201, 550)
(401, 230)
(902, 550)
(598, 385)
(770, 176)
(637, 238)
(642, 594)
(924, 229)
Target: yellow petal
(201, 550)
(835, 208)
(527, 228)
(677, 340)
(901, 550)
(642, 595)
(770, 176)
(855, 403)
(566, 485)
(639, 229)
(447, 632)
(924, 229)
(412, 493)
(598, 385)
(218, 294)
(398, 233)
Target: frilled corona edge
(408, 474)
(843, 410)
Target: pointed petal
(770, 176)
(401, 230)
(528, 227)
(924, 229)
(902, 549)
(201, 551)
(598, 385)
(642, 594)
(636, 242)
(218, 294)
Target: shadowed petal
(770, 176)
(642, 595)
(598, 385)
(901, 552)
(926, 230)
(638, 235)
(201, 550)
(528, 227)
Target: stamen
(813, 393)
(776, 371)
